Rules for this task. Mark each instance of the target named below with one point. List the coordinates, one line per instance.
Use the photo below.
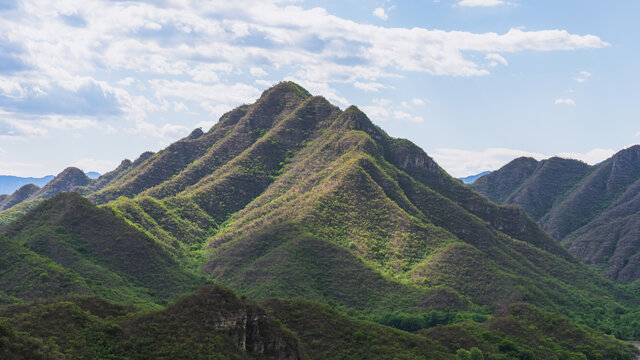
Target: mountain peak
(284, 92)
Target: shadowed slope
(93, 244)
(592, 210)
(20, 195)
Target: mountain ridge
(578, 205)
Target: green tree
(462, 354)
(475, 354)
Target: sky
(475, 83)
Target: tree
(475, 354)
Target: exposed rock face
(218, 309)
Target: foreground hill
(592, 210)
(213, 323)
(66, 245)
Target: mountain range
(10, 184)
(471, 178)
(594, 211)
(320, 218)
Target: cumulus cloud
(383, 110)
(480, 3)
(401, 115)
(583, 76)
(100, 165)
(495, 60)
(380, 13)
(258, 72)
(54, 57)
(566, 101)
(369, 86)
(126, 81)
(24, 169)
(590, 157)
(165, 131)
(460, 163)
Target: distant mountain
(472, 178)
(93, 175)
(9, 184)
(592, 210)
(70, 179)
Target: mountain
(70, 179)
(20, 195)
(68, 245)
(471, 178)
(292, 197)
(93, 175)
(9, 184)
(591, 210)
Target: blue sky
(475, 83)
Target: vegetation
(592, 210)
(293, 198)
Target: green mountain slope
(79, 247)
(292, 197)
(591, 210)
(213, 323)
(20, 195)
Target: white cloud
(257, 72)
(166, 131)
(382, 102)
(99, 165)
(320, 88)
(376, 113)
(496, 59)
(591, 157)
(179, 106)
(265, 83)
(216, 98)
(126, 81)
(189, 50)
(461, 163)
(565, 101)
(418, 102)
(380, 13)
(401, 115)
(480, 3)
(22, 168)
(369, 86)
(584, 75)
